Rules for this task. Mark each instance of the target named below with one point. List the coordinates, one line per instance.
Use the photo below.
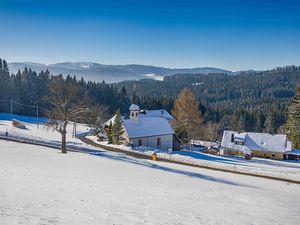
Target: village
(145, 151)
(153, 112)
(150, 134)
(148, 154)
(152, 129)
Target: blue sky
(233, 34)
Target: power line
(36, 107)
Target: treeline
(30, 88)
(251, 101)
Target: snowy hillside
(38, 185)
(36, 130)
(39, 134)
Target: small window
(158, 142)
(136, 114)
(140, 142)
(132, 114)
(232, 138)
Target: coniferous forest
(250, 101)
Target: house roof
(147, 126)
(293, 152)
(255, 141)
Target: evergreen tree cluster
(30, 88)
(251, 101)
(293, 123)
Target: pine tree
(6, 89)
(293, 123)
(117, 128)
(187, 116)
(273, 121)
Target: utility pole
(11, 107)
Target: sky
(232, 34)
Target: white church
(150, 128)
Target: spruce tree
(293, 123)
(187, 116)
(117, 128)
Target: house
(259, 144)
(150, 128)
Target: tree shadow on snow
(141, 162)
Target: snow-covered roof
(145, 127)
(134, 107)
(255, 141)
(293, 152)
(240, 137)
(157, 113)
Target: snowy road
(38, 185)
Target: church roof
(157, 113)
(147, 126)
(134, 107)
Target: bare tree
(66, 106)
(96, 116)
(210, 131)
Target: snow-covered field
(267, 167)
(282, 169)
(38, 185)
(39, 132)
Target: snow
(144, 126)
(134, 107)
(40, 135)
(37, 132)
(38, 185)
(157, 113)
(293, 152)
(257, 166)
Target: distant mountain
(112, 73)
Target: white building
(259, 144)
(149, 128)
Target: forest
(250, 101)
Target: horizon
(236, 36)
(130, 64)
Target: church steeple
(134, 112)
